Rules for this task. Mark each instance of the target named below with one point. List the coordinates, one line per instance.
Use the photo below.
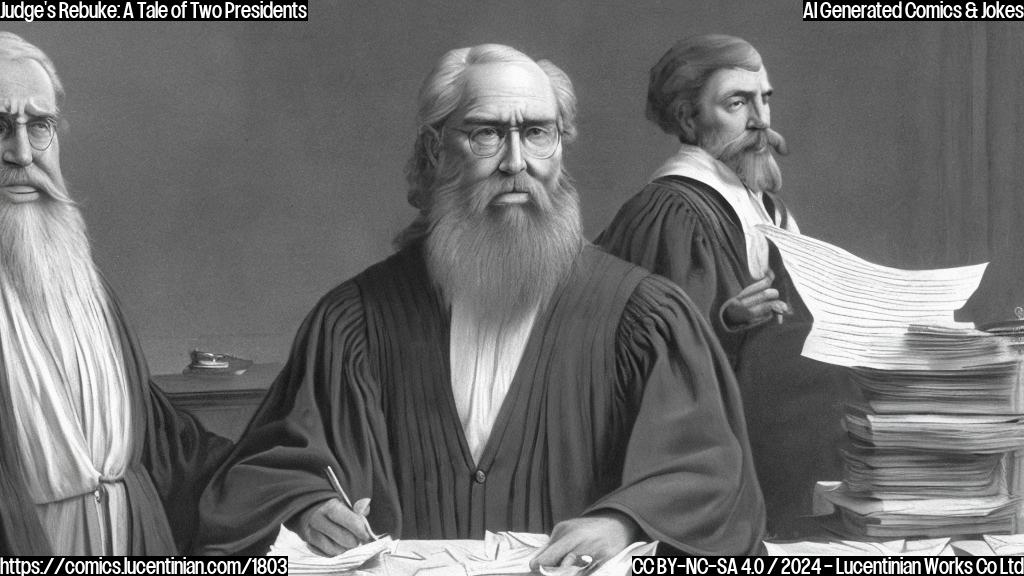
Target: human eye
(734, 104)
(40, 127)
(6, 127)
(486, 136)
(539, 135)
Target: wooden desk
(224, 404)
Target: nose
(760, 115)
(17, 149)
(512, 161)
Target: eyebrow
(52, 116)
(748, 93)
(479, 121)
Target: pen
(336, 485)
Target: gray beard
(751, 158)
(502, 261)
(758, 170)
(45, 256)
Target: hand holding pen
(337, 525)
(361, 506)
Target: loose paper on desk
(900, 547)
(499, 553)
(862, 311)
(1005, 544)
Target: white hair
(439, 98)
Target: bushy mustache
(489, 191)
(32, 176)
(755, 140)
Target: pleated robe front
(622, 401)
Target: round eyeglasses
(537, 140)
(40, 131)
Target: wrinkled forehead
(506, 92)
(25, 88)
(729, 80)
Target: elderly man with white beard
(498, 372)
(694, 224)
(93, 459)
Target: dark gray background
(231, 173)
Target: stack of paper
(925, 474)
(989, 389)
(936, 432)
(934, 448)
(923, 517)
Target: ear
(431, 144)
(686, 117)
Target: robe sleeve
(661, 230)
(323, 410)
(688, 478)
(181, 456)
(178, 453)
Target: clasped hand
(755, 304)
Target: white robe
(71, 409)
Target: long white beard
(44, 253)
(47, 276)
(52, 300)
(66, 376)
(503, 261)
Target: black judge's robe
(622, 400)
(683, 229)
(172, 458)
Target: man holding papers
(694, 223)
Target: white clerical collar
(694, 162)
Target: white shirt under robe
(484, 360)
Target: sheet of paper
(927, 547)
(498, 553)
(1006, 544)
(862, 311)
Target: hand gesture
(755, 304)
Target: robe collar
(695, 162)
